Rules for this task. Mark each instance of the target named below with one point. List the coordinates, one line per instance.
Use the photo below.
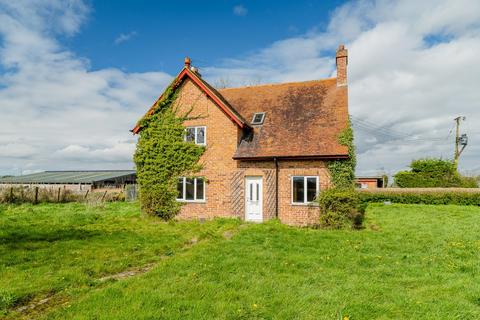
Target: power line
(383, 132)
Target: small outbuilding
(371, 182)
(74, 180)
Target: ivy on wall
(162, 156)
(340, 206)
(342, 171)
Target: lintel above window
(197, 135)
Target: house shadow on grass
(16, 239)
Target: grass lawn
(64, 249)
(411, 262)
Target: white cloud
(118, 152)
(52, 105)
(412, 69)
(240, 10)
(124, 37)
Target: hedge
(440, 197)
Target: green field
(411, 262)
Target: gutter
(264, 158)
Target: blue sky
(75, 75)
(160, 33)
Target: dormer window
(196, 135)
(258, 118)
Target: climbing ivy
(342, 171)
(162, 156)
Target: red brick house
(266, 145)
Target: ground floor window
(304, 189)
(191, 189)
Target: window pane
(200, 135)
(311, 189)
(189, 189)
(180, 188)
(190, 135)
(298, 189)
(200, 191)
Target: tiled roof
(303, 119)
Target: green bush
(433, 173)
(440, 197)
(340, 208)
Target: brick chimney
(187, 62)
(342, 61)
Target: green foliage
(340, 208)
(433, 173)
(342, 171)
(435, 197)
(385, 180)
(162, 156)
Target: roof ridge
(279, 84)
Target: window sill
(308, 204)
(191, 201)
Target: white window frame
(317, 191)
(184, 185)
(262, 120)
(196, 134)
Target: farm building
(74, 180)
(371, 182)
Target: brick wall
(287, 212)
(218, 165)
(299, 214)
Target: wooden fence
(421, 190)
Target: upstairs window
(258, 118)
(304, 189)
(191, 189)
(196, 135)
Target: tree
(433, 173)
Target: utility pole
(460, 140)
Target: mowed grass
(63, 250)
(411, 262)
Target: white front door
(253, 199)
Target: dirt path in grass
(39, 305)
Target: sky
(76, 75)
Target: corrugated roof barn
(88, 179)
